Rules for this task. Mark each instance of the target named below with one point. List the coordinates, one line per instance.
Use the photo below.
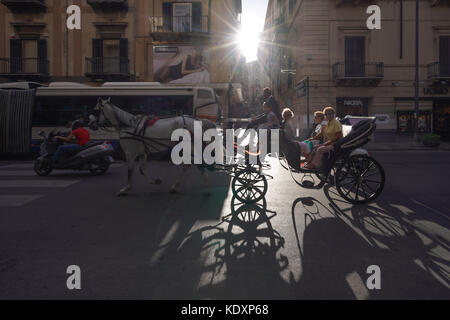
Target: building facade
(164, 41)
(360, 71)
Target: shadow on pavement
(236, 259)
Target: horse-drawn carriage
(357, 176)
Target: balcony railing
(358, 73)
(180, 24)
(23, 66)
(27, 5)
(438, 71)
(108, 4)
(104, 67)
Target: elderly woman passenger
(331, 133)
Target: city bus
(58, 103)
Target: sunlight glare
(249, 37)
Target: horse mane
(124, 117)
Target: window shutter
(444, 56)
(42, 56)
(16, 55)
(197, 16)
(167, 16)
(97, 55)
(124, 56)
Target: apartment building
(360, 71)
(121, 40)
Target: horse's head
(98, 118)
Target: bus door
(16, 115)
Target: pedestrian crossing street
(17, 176)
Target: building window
(292, 4)
(182, 17)
(28, 56)
(355, 56)
(444, 56)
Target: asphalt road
(298, 244)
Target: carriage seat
(354, 136)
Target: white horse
(139, 141)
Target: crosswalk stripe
(37, 183)
(18, 166)
(18, 200)
(31, 166)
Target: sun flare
(249, 39)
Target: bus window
(56, 111)
(172, 105)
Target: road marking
(17, 200)
(37, 183)
(17, 173)
(18, 166)
(431, 209)
(357, 286)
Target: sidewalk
(395, 142)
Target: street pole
(416, 107)
(307, 104)
(67, 42)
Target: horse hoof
(158, 182)
(173, 191)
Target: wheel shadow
(337, 249)
(238, 258)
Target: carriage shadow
(338, 248)
(238, 258)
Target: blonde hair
(287, 113)
(319, 114)
(329, 108)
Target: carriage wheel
(249, 186)
(360, 179)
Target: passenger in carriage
(288, 115)
(331, 133)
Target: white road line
(18, 166)
(17, 200)
(357, 285)
(31, 165)
(17, 173)
(37, 183)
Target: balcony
(435, 3)
(358, 74)
(173, 29)
(24, 68)
(108, 68)
(438, 71)
(355, 2)
(25, 5)
(108, 4)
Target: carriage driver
(79, 135)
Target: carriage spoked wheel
(360, 179)
(249, 185)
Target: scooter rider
(79, 135)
